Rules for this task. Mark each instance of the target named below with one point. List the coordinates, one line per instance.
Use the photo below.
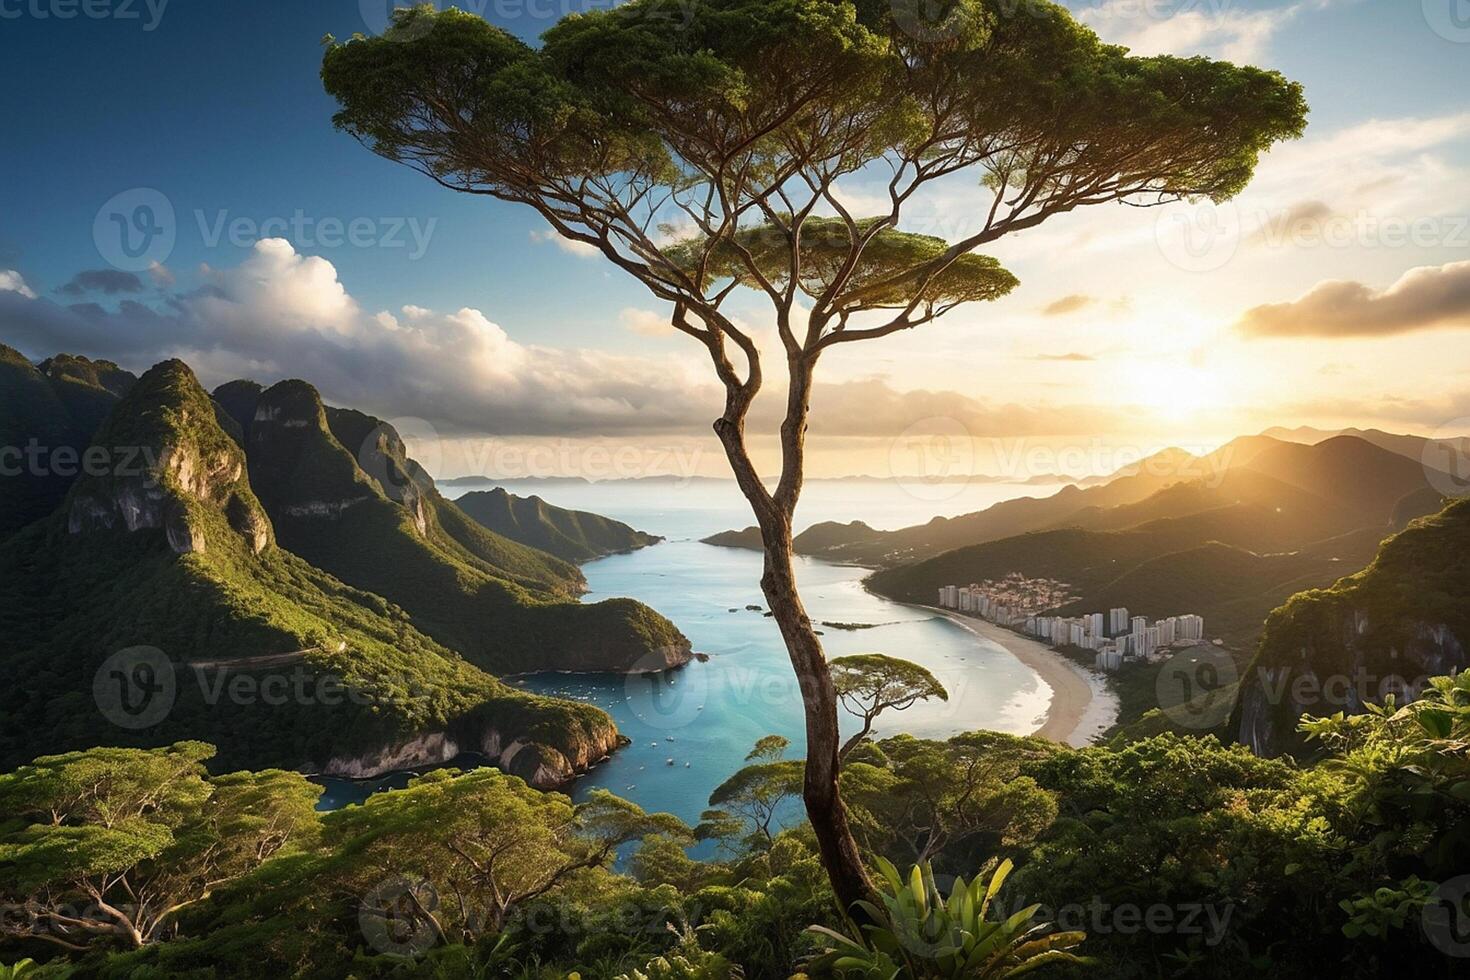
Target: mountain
(1160, 568)
(1404, 618)
(1412, 446)
(1302, 493)
(48, 414)
(573, 535)
(247, 645)
(373, 518)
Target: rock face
(542, 765)
(166, 459)
(1383, 631)
(167, 545)
(342, 493)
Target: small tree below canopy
(870, 683)
(698, 145)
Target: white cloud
(279, 314)
(572, 247)
(11, 282)
(645, 322)
(1152, 27)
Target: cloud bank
(280, 314)
(1425, 298)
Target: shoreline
(1073, 692)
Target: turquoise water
(706, 717)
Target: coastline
(1080, 706)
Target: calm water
(706, 717)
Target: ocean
(691, 729)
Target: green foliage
(870, 683)
(687, 961)
(1406, 614)
(504, 606)
(956, 802)
(920, 933)
(369, 676)
(748, 804)
(108, 846)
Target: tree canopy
(871, 683)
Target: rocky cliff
(1385, 630)
(277, 662)
(343, 494)
(168, 462)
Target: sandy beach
(1080, 706)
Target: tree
(471, 849)
(112, 844)
(698, 146)
(869, 683)
(748, 803)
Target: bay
(691, 729)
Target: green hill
(48, 414)
(503, 605)
(181, 557)
(1406, 616)
(573, 535)
(1162, 568)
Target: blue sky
(216, 105)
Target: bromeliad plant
(918, 933)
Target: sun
(1180, 392)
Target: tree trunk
(856, 739)
(824, 806)
(823, 802)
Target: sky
(174, 187)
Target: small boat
(670, 762)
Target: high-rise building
(1095, 624)
(1118, 621)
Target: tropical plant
(918, 933)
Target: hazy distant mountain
(178, 554)
(1411, 446)
(1305, 493)
(573, 535)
